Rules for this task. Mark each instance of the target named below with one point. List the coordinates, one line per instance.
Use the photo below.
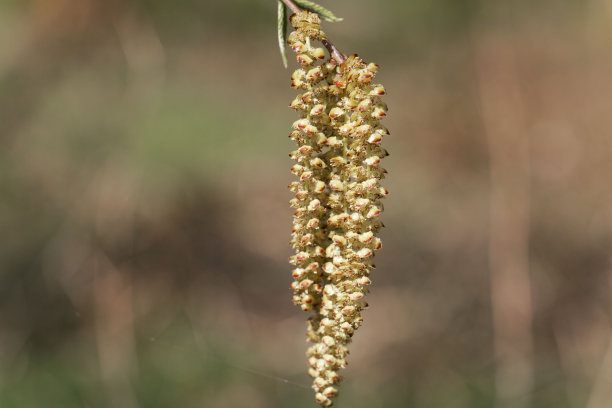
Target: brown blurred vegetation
(144, 223)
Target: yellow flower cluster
(337, 196)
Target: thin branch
(338, 56)
(333, 51)
(292, 6)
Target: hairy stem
(333, 51)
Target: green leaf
(282, 31)
(320, 10)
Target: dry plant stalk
(337, 195)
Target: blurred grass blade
(282, 31)
(320, 10)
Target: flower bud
(319, 186)
(369, 183)
(346, 129)
(328, 341)
(378, 113)
(297, 103)
(333, 142)
(374, 212)
(329, 359)
(330, 392)
(340, 83)
(306, 175)
(319, 382)
(304, 59)
(372, 67)
(372, 161)
(318, 53)
(301, 256)
(366, 237)
(339, 240)
(355, 295)
(322, 399)
(306, 283)
(365, 77)
(364, 281)
(348, 310)
(349, 103)
(337, 161)
(313, 223)
(336, 113)
(361, 202)
(377, 90)
(375, 138)
(317, 109)
(306, 239)
(314, 204)
(329, 290)
(313, 74)
(336, 185)
(361, 130)
(300, 124)
(364, 253)
(298, 46)
(317, 162)
(346, 327)
(364, 105)
(328, 267)
(376, 243)
(297, 169)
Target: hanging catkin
(337, 196)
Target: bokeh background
(144, 222)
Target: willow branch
(338, 56)
(292, 6)
(333, 51)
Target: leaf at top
(320, 10)
(282, 31)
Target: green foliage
(320, 10)
(282, 31)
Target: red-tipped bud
(313, 223)
(336, 112)
(378, 90)
(372, 161)
(313, 205)
(304, 59)
(336, 185)
(317, 53)
(317, 110)
(375, 138)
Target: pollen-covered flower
(337, 196)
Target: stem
(292, 6)
(333, 51)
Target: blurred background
(144, 222)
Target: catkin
(337, 196)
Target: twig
(292, 6)
(333, 51)
(338, 56)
